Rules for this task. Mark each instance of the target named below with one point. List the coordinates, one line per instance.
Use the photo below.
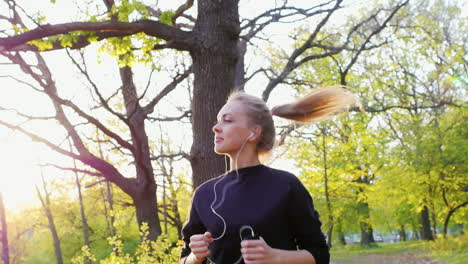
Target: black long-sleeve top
(274, 203)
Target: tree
(215, 41)
(45, 201)
(4, 233)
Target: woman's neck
(244, 160)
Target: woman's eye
(222, 121)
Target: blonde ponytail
(321, 104)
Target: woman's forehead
(234, 108)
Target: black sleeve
(305, 223)
(193, 226)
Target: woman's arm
(194, 237)
(305, 224)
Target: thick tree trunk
(425, 231)
(214, 65)
(4, 233)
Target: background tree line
(401, 165)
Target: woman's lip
(218, 139)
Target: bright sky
(19, 155)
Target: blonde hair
(321, 104)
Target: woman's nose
(216, 128)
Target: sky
(19, 156)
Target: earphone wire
(222, 199)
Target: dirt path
(386, 258)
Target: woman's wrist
(192, 259)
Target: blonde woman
(254, 213)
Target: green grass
(343, 252)
(455, 254)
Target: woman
(253, 213)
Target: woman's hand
(258, 252)
(199, 246)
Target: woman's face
(231, 129)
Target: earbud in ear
(251, 135)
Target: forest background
(106, 110)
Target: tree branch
(291, 64)
(149, 108)
(181, 10)
(98, 174)
(181, 40)
(171, 156)
(177, 118)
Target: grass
(450, 250)
(343, 252)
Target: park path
(388, 258)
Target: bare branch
(40, 139)
(104, 103)
(171, 156)
(23, 82)
(181, 10)
(177, 118)
(27, 116)
(291, 64)
(98, 174)
(276, 14)
(148, 109)
(371, 35)
(50, 90)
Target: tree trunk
(144, 192)
(4, 233)
(84, 222)
(340, 233)
(107, 196)
(45, 201)
(402, 233)
(327, 195)
(214, 65)
(110, 199)
(425, 231)
(450, 213)
(367, 234)
(460, 228)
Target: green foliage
(147, 252)
(450, 243)
(166, 17)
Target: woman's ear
(256, 133)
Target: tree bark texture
(214, 65)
